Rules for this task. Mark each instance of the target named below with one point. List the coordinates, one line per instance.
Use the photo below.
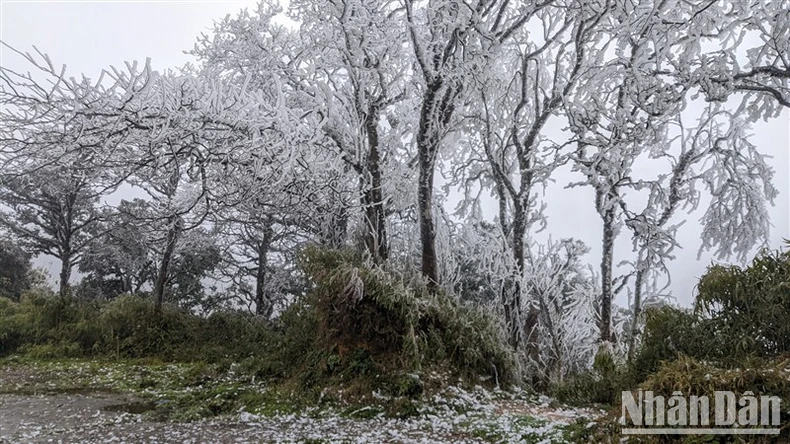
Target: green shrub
(749, 309)
(363, 307)
(739, 313)
(10, 334)
(15, 270)
(470, 338)
(57, 350)
(692, 377)
(668, 333)
(601, 385)
(48, 326)
(358, 306)
(133, 329)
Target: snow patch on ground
(453, 415)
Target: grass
(185, 392)
(179, 391)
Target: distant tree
(178, 136)
(54, 161)
(127, 257)
(196, 257)
(250, 241)
(15, 270)
(121, 259)
(52, 211)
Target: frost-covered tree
(744, 55)
(347, 65)
(617, 112)
(361, 73)
(188, 138)
(565, 292)
(713, 158)
(661, 62)
(453, 44)
(53, 161)
(508, 148)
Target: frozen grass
(194, 402)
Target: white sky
(89, 36)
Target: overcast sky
(90, 36)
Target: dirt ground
(85, 418)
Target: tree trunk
(373, 196)
(532, 339)
(637, 310)
(65, 273)
(263, 306)
(427, 146)
(167, 256)
(514, 311)
(430, 268)
(126, 283)
(606, 275)
(438, 105)
(510, 291)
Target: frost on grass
(84, 402)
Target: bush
(48, 326)
(740, 313)
(749, 309)
(41, 318)
(359, 306)
(693, 377)
(670, 332)
(133, 329)
(402, 327)
(601, 385)
(735, 339)
(62, 349)
(471, 338)
(10, 335)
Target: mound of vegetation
(368, 325)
